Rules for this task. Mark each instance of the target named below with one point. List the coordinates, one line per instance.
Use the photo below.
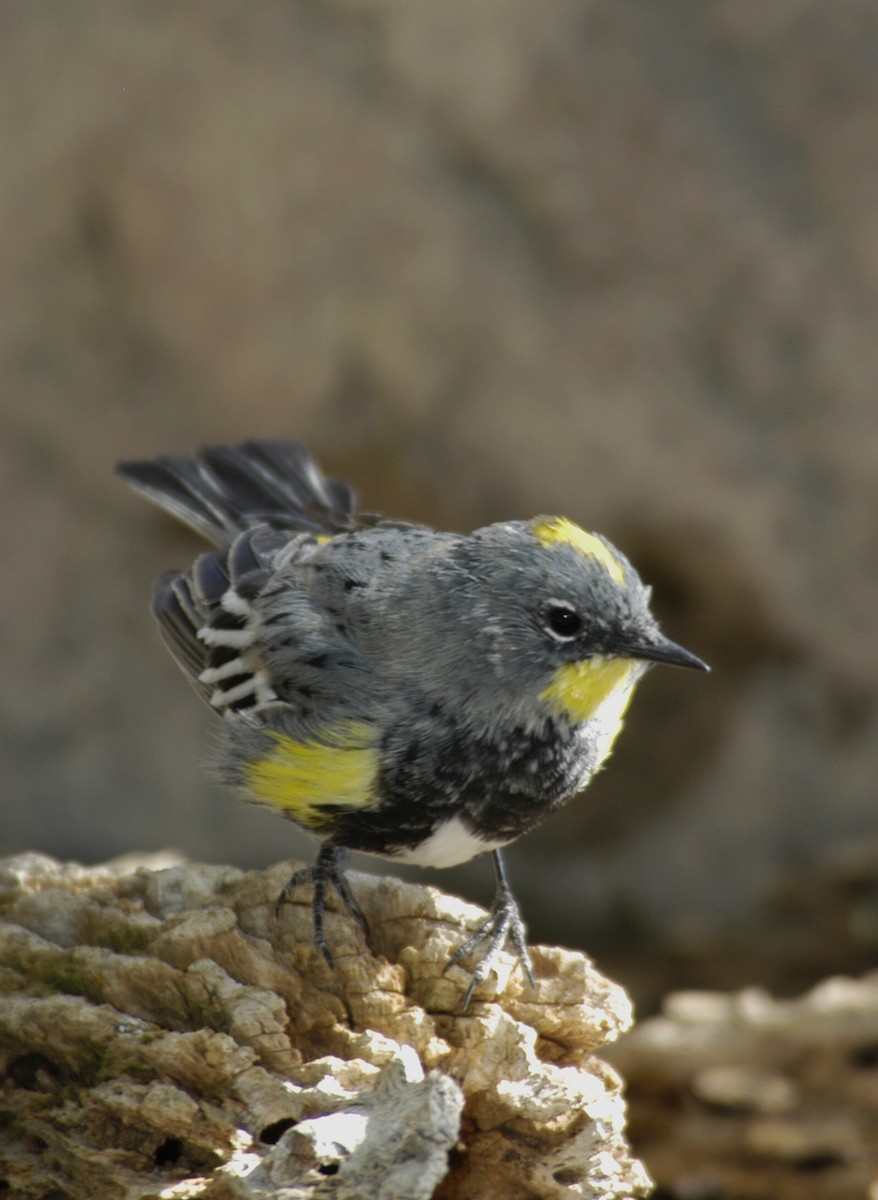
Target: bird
(421, 696)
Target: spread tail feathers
(224, 490)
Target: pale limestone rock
(746, 1095)
(163, 1034)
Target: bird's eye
(563, 622)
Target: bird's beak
(662, 650)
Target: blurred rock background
(616, 259)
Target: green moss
(66, 975)
(10, 981)
(51, 973)
(95, 1063)
(129, 939)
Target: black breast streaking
(501, 787)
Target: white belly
(452, 843)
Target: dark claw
(503, 924)
(325, 870)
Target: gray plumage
(446, 654)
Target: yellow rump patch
(305, 778)
(561, 531)
(595, 686)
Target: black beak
(662, 650)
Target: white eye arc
(561, 621)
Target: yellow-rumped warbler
(420, 696)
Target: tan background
(612, 259)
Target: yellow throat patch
(593, 687)
(305, 778)
(559, 531)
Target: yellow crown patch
(561, 531)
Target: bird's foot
(503, 924)
(325, 870)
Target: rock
(162, 1032)
(745, 1095)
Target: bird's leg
(325, 870)
(503, 924)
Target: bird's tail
(224, 490)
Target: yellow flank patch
(595, 686)
(561, 531)
(304, 778)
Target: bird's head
(554, 613)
